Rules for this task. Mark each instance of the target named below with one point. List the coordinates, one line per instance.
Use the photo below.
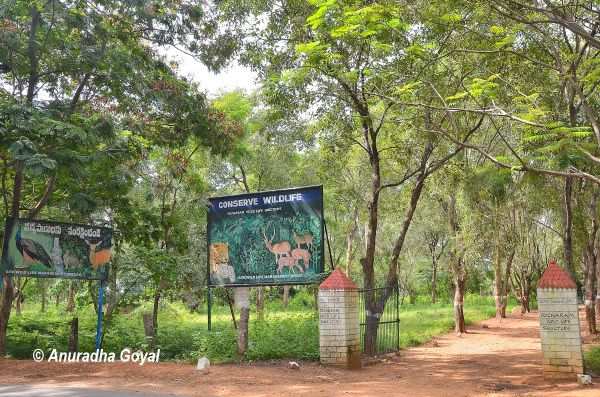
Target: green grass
(592, 360)
(421, 322)
(284, 333)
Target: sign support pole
(328, 245)
(209, 300)
(100, 314)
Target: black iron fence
(379, 311)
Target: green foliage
(421, 322)
(592, 360)
(284, 333)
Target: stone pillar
(559, 324)
(339, 327)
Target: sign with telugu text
(55, 249)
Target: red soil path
(497, 359)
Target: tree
(81, 110)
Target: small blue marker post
(100, 315)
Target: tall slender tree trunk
(5, 308)
(434, 281)
(350, 236)
(436, 244)
(18, 296)
(286, 295)
(7, 293)
(522, 288)
(501, 279)
(590, 261)
(459, 274)
(44, 287)
(260, 303)
(71, 297)
(498, 274)
(597, 291)
(155, 316)
(568, 226)
(459, 295)
(243, 331)
(242, 301)
(590, 291)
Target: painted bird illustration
(32, 251)
(100, 252)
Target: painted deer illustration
(305, 238)
(299, 253)
(290, 262)
(100, 252)
(279, 249)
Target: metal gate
(388, 332)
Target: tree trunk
(501, 280)
(568, 227)
(459, 314)
(231, 309)
(522, 287)
(597, 292)
(456, 264)
(590, 288)
(5, 308)
(44, 287)
(112, 292)
(148, 327)
(8, 291)
(368, 261)
(260, 303)
(375, 306)
(590, 260)
(71, 298)
(371, 332)
(18, 293)
(242, 301)
(498, 279)
(434, 282)
(155, 316)
(525, 303)
(286, 295)
(350, 236)
(74, 335)
(243, 331)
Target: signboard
(55, 249)
(266, 238)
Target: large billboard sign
(266, 238)
(54, 249)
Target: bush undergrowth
(290, 332)
(592, 360)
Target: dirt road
(494, 359)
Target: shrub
(592, 360)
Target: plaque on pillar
(559, 324)
(339, 327)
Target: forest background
(458, 143)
